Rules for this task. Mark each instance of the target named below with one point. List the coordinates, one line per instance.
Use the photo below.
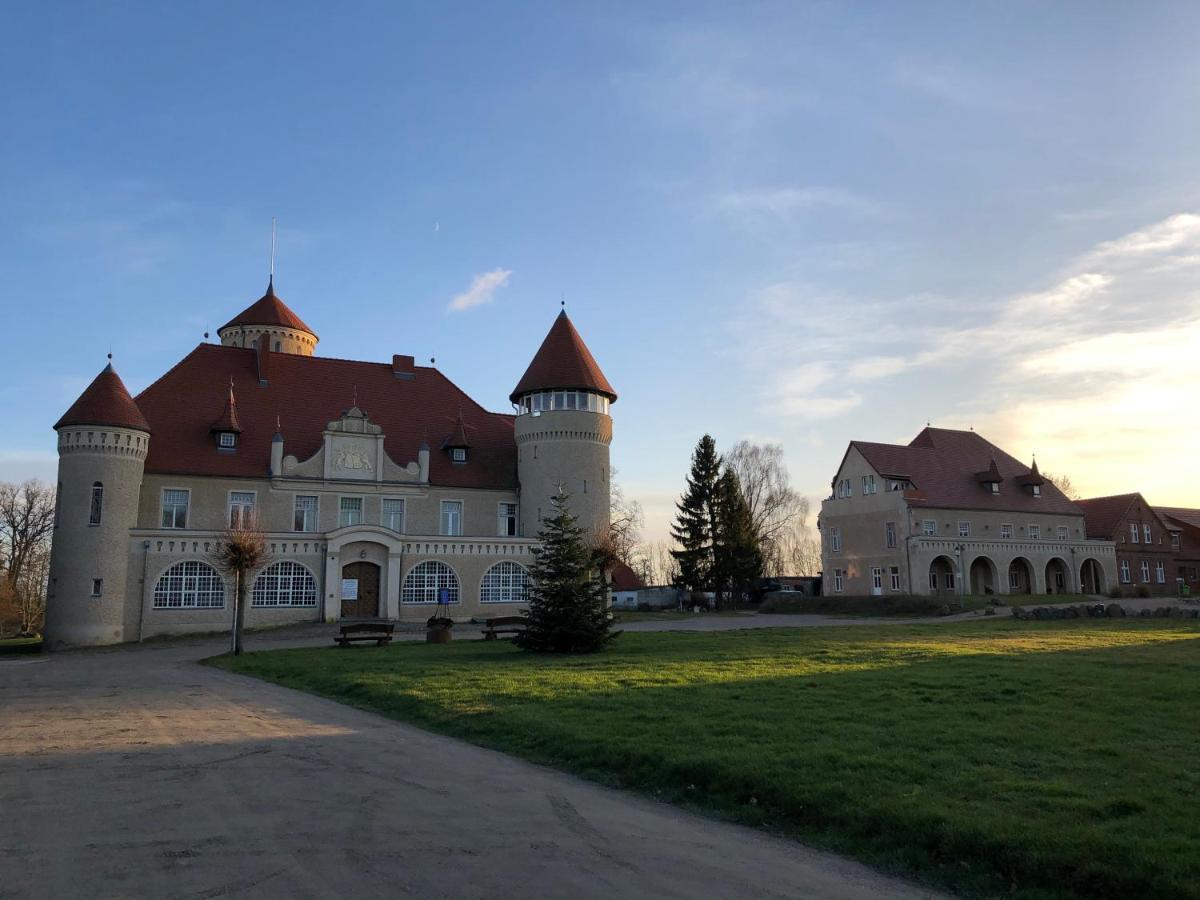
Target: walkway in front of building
(138, 772)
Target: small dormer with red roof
(269, 316)
(227, 428)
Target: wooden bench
(503, 625)
(379, 632)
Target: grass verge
(11, 646)
(1041, 759)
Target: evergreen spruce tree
(568, 594)
(696, 524)
(739, 559)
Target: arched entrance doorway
(1020, 576)
(360, 590)
(1091, 577)
(941, 576)
(983, 576)
(1058, 577)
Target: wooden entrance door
(366, 577)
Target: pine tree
(696, 524)
(738, 556)
(568, 595)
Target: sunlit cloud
(482, 290)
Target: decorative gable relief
(352, 450)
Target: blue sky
(795, 222)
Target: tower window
(97, 586)
(96, 511)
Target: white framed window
(1174, 540)
(889, 534)
(97, 587)
(241, 508)
(1037, 490)
(425, 582)
(392, 515)
(227, 440)
(868, 484)
(96, 508)
(350, 511)
(284, 584)
(1135, 533)
(1125, 571)
(877, 577)
(1145, 572)
(1160, 573)
(189, 585)
(304, 515)
(1147, 534)
(506, 524)
(838, 580)
(964, 529)
(1006, 531)
(458, 454)
(452, 516)
(835, 539)
(1035, 532)
(995, 487)
(505, 582)
(895, 575)
(929, 528)
(1062, 532)
(175, 507)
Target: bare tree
(774, 505)
(625, 524)
(1063, 483)
(30, 591)
(241, 550)
(799, 551)
(657, 565)
(26, 526)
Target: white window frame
(1134, 533)
(226, 440)
(362, 510)
(1147, 534)
(839, 582)
(502, 519)
(442, 525)
(383, 516)
(1160, 572)
(316, 513)
(835, 539)
(1126, 575)
(1006, 531)
(868, 484)
(458, 454)
(877, 577)
(1063, 532)
(964, 529)
(1145, 569)
(894, 572)
(509, 586)
(426, 593)
(929, 528)
(229, 507)
(284, 584)
(1174, 540)
(187, 507)
(191, 580)
(1034, 532)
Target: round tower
(269, 315)
(102, 444)
(563, 431)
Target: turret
(563, 431)
(270, 316)
(102, 444)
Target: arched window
(505, 582)
(189, 585)
(424, 582)
(96, 511)
(284, 584)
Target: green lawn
(9, 646)
(1035, 758)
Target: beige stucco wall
(862, 520)
(568, 448)
(289, 339)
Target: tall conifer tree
(696, 523)
(739, 559)
(568, 595)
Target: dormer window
(995, 487)
(226, 440)
(1037, 490)
(458, 454)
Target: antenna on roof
(272, 278)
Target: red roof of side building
(306, 393)
(1104, 514)
(268, 310)
(563, 361)
(1177, 517)
(625, 579)
(943, 465)
(105, 402)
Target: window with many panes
(507, 520)
(1134, 533)
(350, 511)
(964, 529)
(284, 584)
(877, 578)
(1125, 571)
(452, 515)
(505, 582)
(835, 539)
(241, 508)
(1174, 540)
(1147, 534)
(1145, 572)
(393, 515)
(929, 528)
(174, 508)
(96, 510)
(838, 580)
(895, 574)
(1035, 532)
(1062, 532)
(305, 514)
(427, 581)
(868, 482)
(1006, 531)
(189, 585)
(458, 454)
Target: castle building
(382, 488)
(951, 513)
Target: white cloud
(483, 288)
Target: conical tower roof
(268, 310)
(563, 362)
(105, 402)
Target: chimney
(277, 455)
(264, 357)
(423, 460)
(403, 367)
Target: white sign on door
(349, 588)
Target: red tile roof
(229, 418)
(105, 402)
(269, 310)
(942, 464)
(624, 578)
(306, 393)
(563, 361)
(1180, 514)
(1104, 514)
